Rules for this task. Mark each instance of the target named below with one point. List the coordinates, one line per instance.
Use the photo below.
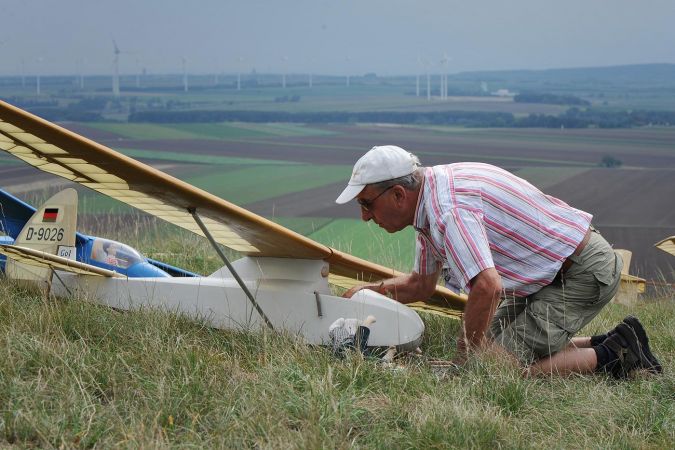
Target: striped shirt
(474, 216)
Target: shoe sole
(654, 365)
(634, 349)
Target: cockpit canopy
(114, 253)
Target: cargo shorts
(543, 323)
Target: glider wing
(61, 152)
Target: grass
(77, 375)
(367, 240)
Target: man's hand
(485, 294)
(404, 288)
(379, 288)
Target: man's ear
(399, 193)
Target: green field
(258, 183)
(241, 184)
(207, 130)
(188, 157)
(367, 240)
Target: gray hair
(409, 182)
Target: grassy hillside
(77, 375)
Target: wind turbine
(39, 61)
(427, 65)
(116, 70)
(80, 66)
(185, 77)
(417, 78)
(216, 74)
(285, 68)
(347, 60)
(240, 60)
(311, 63)
(138, 72)
(444, 77)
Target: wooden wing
(61, 152)
(39, 258)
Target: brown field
(632, 205)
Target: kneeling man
(534, 268)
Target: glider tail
(51, 229)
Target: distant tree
(552, 99)
(610, 161)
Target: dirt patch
(622, 197)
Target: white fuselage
(293, 294)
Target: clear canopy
(114, 253)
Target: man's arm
(405, 288)
(484, 296)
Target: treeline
(551, 99)
(463, 118)
(573, 118)
(66, 115)
(588, 118)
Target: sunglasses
(366, 205)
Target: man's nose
(366, 215)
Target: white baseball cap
(381, 163)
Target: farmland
(292, 174)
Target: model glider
(667, 245)
(282, 280)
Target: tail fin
(51, 229)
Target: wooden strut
(214, 244)
(60, 280)
(317, 297)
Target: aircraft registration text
(44, 234)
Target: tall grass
(77, 375)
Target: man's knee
(531, 337)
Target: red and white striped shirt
(474, 216)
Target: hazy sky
(331, 36)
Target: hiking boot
(652, 365)
(626, 345)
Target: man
(534, 268)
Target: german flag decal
(50, 214)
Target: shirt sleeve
(426, 262)
(466, 245)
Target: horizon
(337, 75)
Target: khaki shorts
(542, 324)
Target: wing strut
(241, 283)
(62, 283)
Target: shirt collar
(421, 221)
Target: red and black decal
(50, 214)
